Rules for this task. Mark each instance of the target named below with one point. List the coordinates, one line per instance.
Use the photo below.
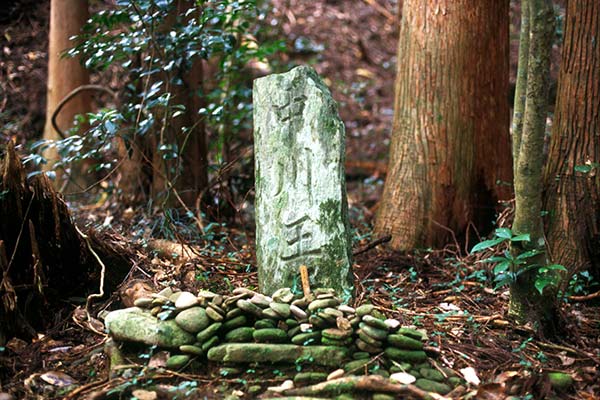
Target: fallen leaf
(141, 394)
(470, 376)
(57, 378)
(566, 360)
(491, 391)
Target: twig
(102, 274)
(587, 297)
(373, 244)
(72, 94)
(569, 350)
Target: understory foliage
(152, 43)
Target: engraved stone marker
(301, 206)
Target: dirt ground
(352, 44)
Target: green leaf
(486, 244)
(504, 233)
(556, 267)
(494, 259)
(529, 254)
(540, 284)
(501, 267)
(503, 280)
(526, 237)
(583, 168)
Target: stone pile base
(248, 327)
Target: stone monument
(301, 205)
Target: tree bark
(526, 303)
(450, 145)
(572, 197)
(43, 258)
(67, 17)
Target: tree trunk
(526, 303)
(188, 173)
(450, 146)
(67, 17)
(572, 176)
(44, 260)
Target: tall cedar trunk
(450, 144)
(67, 17)
(188, 173)
(526, 303)
(573, 198)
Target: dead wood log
(44, 260)
(357, 384)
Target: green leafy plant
(151, 45)
(508, 266)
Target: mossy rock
(405, 342)
(303, 378)
(454, 381)
(270, 335)
(328, 356)
(265, 324)
(412, 333)
(307, 338)
(240, 335)
(405, 355)
(560, 381)
(236, 322)
(192, 320)
(177, 362)
(191, 349)
(209, 332)
(356, 366)
(432, 374)
(432, 386)
(136, 325)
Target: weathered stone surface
(405, 342)
(211, 330)
(285, 353)
(432, 386)
(560, 381)
(365, 309)
(192, 320)
(135, 325)
(272, 335)
(191, 349)
(177, 361)
(413, 333)
(240, 335)
(185, 300)
(405, 355)
(301, 206)
(282, 309)
(377, 334)
(303, 378)
(336, 334)
(375, 322)
(236, 322)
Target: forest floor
(447, 292)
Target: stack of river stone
(249, 327)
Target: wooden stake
(305, 281)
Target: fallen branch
(588, 297)
(372, 383)
(373, 244)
